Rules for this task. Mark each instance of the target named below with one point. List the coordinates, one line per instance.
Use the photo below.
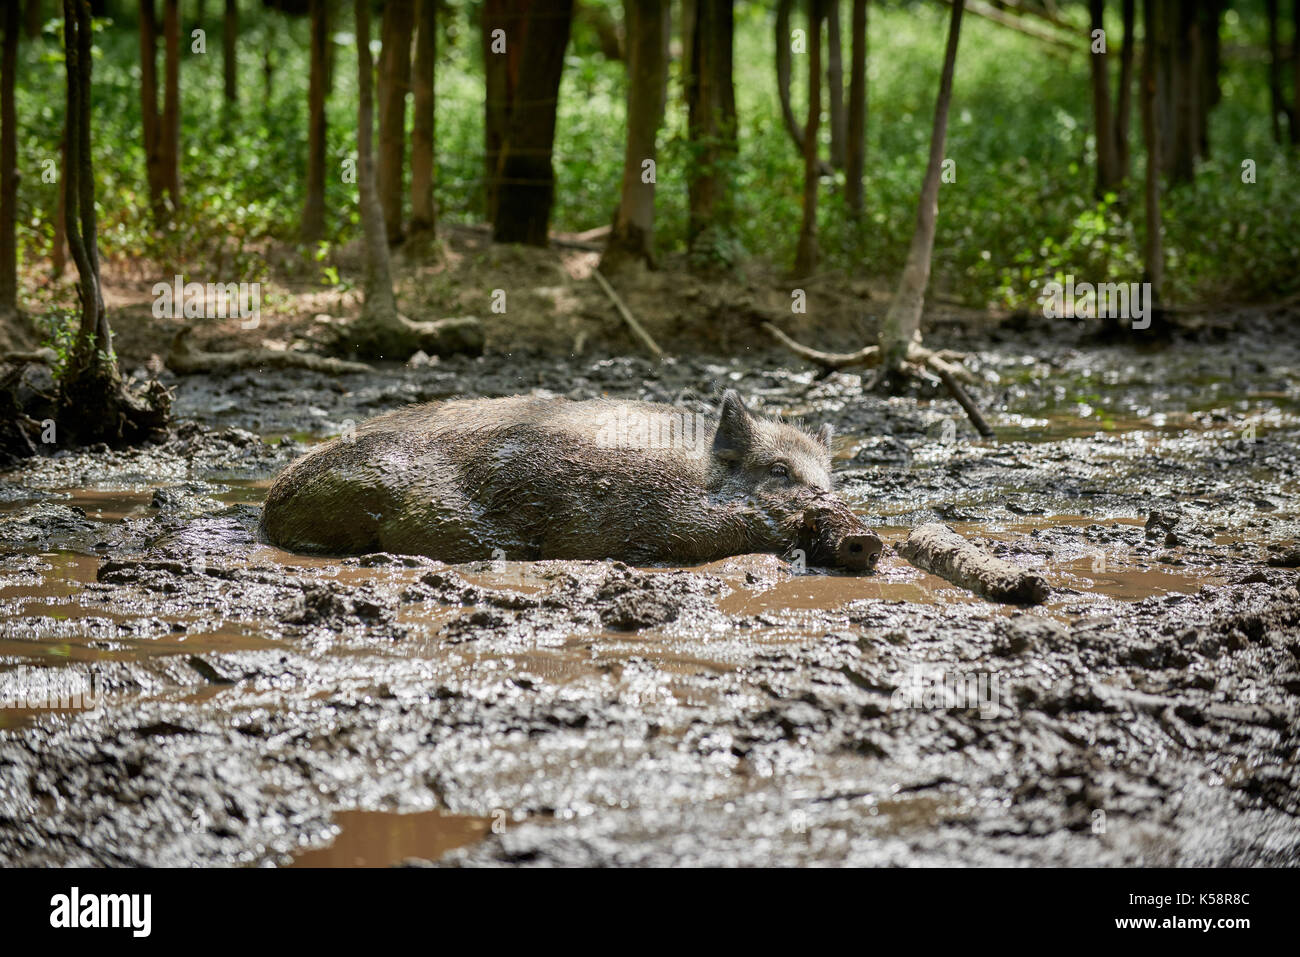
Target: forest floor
(244, 705)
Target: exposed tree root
(941, 551)
(185, 359)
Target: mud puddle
(383, 839)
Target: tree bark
(380, 305)
(93, 404)
(150, 123)
(1107, 157)
(784, 70)
(711, 125)
(855, 149)
(394, 85)
(1187, 86)
(501, 68)
(313, 210)
(901, 328)
(424, 214)
(1123, 106)
(9, 163)
(526, 180)
(805, 263)
(34, 19)
(1274, 70)
(835, 80)
(1152, 244)
(632, 238)
(169, 129)
(229, 61)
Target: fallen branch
(958, 393)
(949, 372)
(941, 551)
(626, 313)
(44, 355)
(827, 360)
(185, 359)
(1019, 25)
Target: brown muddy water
(176, 692)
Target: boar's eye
(779, 470)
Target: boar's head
(787, 473)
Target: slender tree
(169, 130)
(150, 122)
(1152, 246)
(711, 124)
(1108, 168)
(34, 18)
(380, 307)
(805, 263)
(229, 55)
(525, 178)
(424, 217)
(94, 405)
(855, 147)
(313, 211)
(394, 86)
(9, 163)
(1124, 98)
(1276, 105)
(632, 237)
(835, 82)
(901, 329)
(502, 20)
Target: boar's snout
(858, 551)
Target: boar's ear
(736, 432)
(824, 436)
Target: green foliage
(1021, 210)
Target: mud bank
(177, 692)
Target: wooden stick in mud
(185, 359)
(626, 313)
(958, 393)
(827, 360)
(941, 551)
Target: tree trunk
(632, 238)
(783, 71)
(150, 123)
(424, 215)
(9, 163)
(835, 80)
(313, 210)
(855, 150)
(93, 404)
(1295, 67)
(1107, 157)
(526, 180)
(711, 126)
(34, 19)
(901, 328)
(1152, 245)
(1187, 85)
(380, 306)
(169, 129)
(1123, 107)
(805, 262)
(503, 35)
(1274, 70)
(59, 251)
(394, 85)
(229, 63)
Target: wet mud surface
(225, 702)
